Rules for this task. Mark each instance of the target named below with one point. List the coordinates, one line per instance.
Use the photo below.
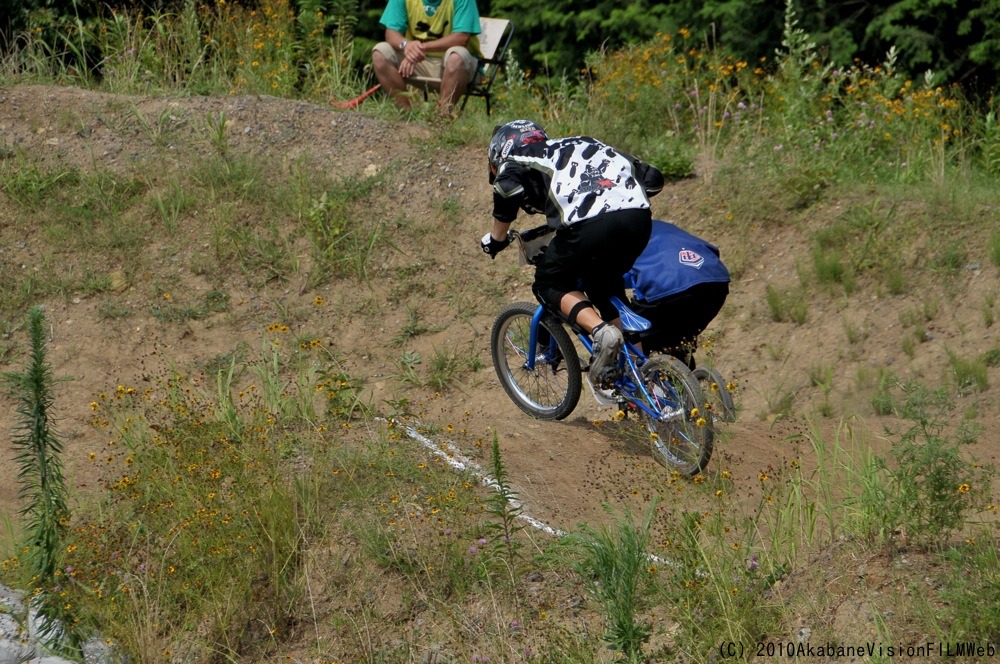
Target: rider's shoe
(608, 341)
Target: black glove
(493, 247)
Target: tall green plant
(42, 489)
(504, 505)
(616, 562)
(799, 68)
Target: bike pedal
(607, 379)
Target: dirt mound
(441, 190)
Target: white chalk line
(453, 457)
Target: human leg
(557, 275)
(385, 62)
(457, 71)
(454, 81)
(613, 243)
(677, 320)
(557, 280)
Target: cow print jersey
(569, 180)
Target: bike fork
(531, 352)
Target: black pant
(592, 256)
(679, 319)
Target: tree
(958, 40)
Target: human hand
(493, 247)
(413, 54)
(406, 67)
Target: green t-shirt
(466, 17)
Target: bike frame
(630, 385)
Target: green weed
(974, 588)
(950, 259)
(854, 334)
(216, 130)
(343, 238)
(716, 578)
(43, 493)
(112, 309)
(93, 284)
(172, 205)
(443, 369)
(30, 184)
(615, 564)
(786, 306)
(780, 401)
(970, 374)
(169, 311)
(991, 358)
(451, 210)
(503, 506)
(896, 281)
(882, 401)
(207, 501)
(822, 377)
(407, 366)
(160, 129)
(262, 251)
(830, 269)
(412, 328)
(929, 490)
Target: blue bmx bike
(541, 369)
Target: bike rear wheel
(549, 391)
(683, 439)
(716, 392)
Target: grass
(43, 492)
(413, 327)
(402, 518)
(214, 301)
(970, 373)
(616, 564)
(787, 305)
(172, 205)
(269, 507)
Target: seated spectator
(431, 39)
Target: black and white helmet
(513, 135)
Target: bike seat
(631, 321)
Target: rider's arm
(508, 195)
(500, 229)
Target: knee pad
(577, 308)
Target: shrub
(925, 489)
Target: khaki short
(431, 67)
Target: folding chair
(493, 42)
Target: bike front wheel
(682, 438)
(550, 390)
